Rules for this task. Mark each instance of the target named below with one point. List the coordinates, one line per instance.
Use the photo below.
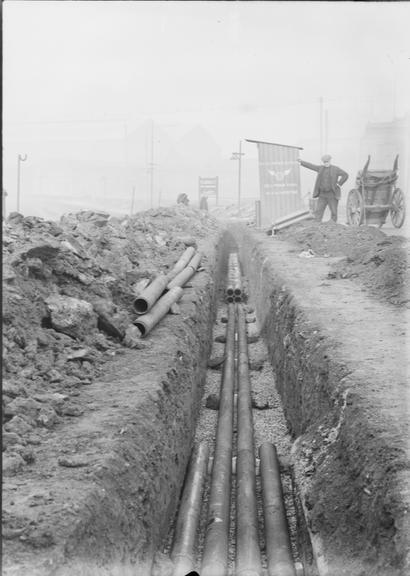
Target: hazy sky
(199, 61)
(240, 69)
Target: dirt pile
(68, 290)
(245, 212)
(367, 256)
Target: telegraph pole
(132, 200)
(321, 124)
(151, 166)
(20, 159)
(238, 156)
(326, 136)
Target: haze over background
(93, 92)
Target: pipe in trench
(181, 263)
(147, 322)
(248, 553)
(183, 276)
(215, 555)
(150, 294)
(248, 557)
(278, 547)
(234, 285)
(183, 553)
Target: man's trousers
(330, 200)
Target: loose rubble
(67, 308)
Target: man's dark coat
(335, 174)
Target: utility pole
(238, 156)
(132, 200)
(321, 124)
(20, 159)
(326, 136)
(151, 166)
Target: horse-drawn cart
(375, 196)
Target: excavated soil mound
(67, 308)
(367, 256)
(68, 289)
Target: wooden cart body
(376, 196)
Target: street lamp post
(238, 156)
(20, 159)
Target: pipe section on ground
(147, 322)
(183, 552)
(144, 302)
(186, 274)
(215, 555)
(248, 557)
(278, 547)
(181, 263)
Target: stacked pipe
(215, 556)
(278, 547)
(234, 284)
(216, 544)
(183, 548)
(186, 274)
(248, 558)
(155, 300)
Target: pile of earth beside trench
(363, 254)
(342, 365)
(98, 423)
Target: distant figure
(327, 186)
(203, 203)
(183, 199)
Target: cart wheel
(397, 208)
(355, 208)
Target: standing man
(327, 186)
(203, 204)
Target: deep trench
(269, 424)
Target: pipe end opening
(140, 305)
(141, 327)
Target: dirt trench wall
(110, 516)
(350, 459)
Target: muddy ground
(68, 289)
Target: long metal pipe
(181, 263)
(183, 553)
(248, 557)
(147, 322)
(185, 275)
(150, 294)
(278, 547)
(215, 555)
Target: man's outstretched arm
(314, 167)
